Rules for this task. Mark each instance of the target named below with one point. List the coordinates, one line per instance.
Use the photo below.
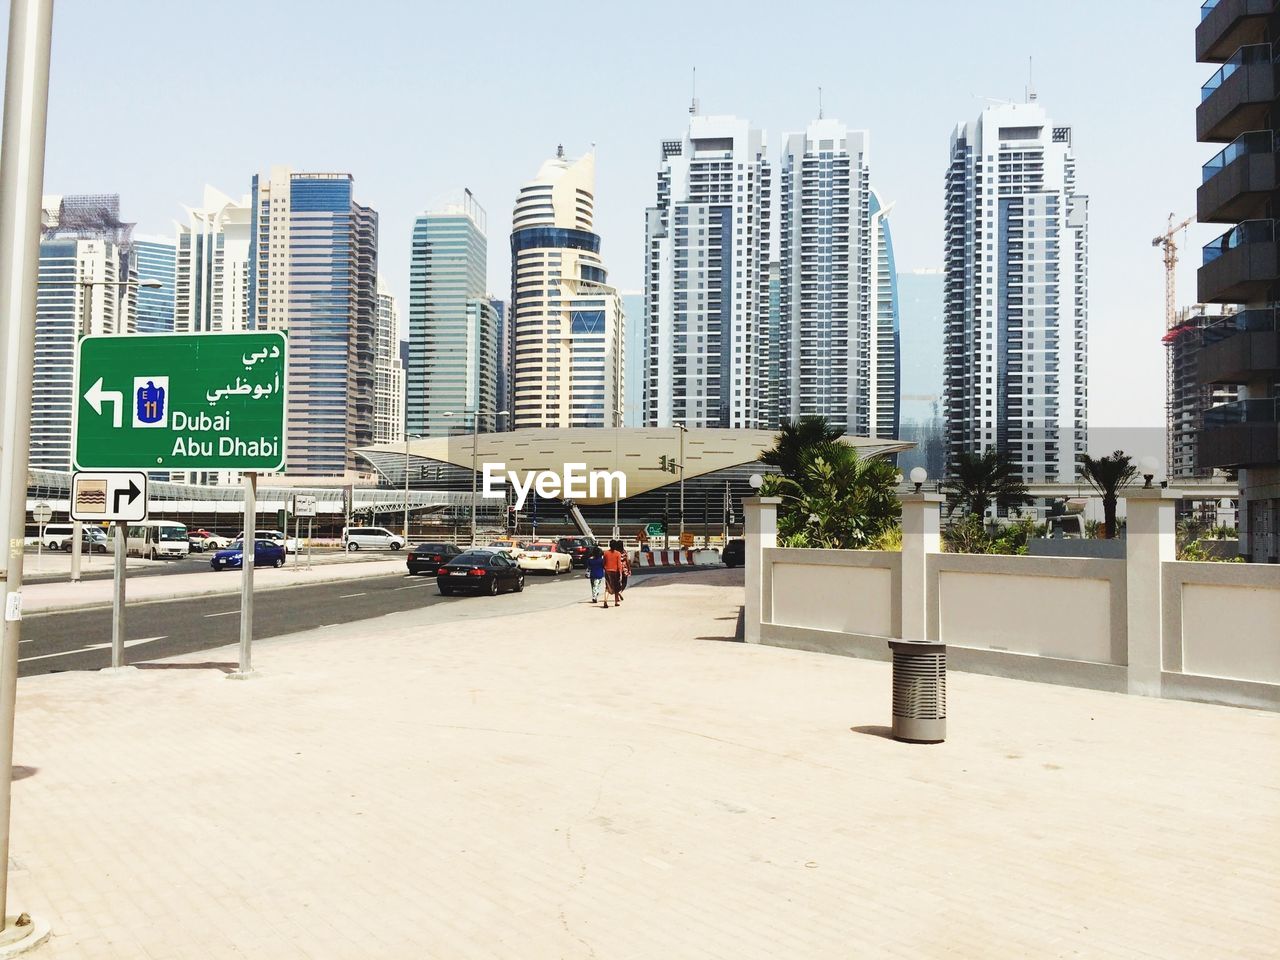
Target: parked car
(734, 553)
(56, 534)
(202, 540)
(428, 557)
(577, 548)
(59, 536)
(154, 539)
(370, 538)
(544, 556)
(279, 536)
(480, 571)
(266, 553)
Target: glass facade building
(155, 260)
(313, 271)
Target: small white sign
(98, 496)
(13, 607)
(304, 506)
(42, 513)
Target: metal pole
(682, 486)
(117, 600)
(726, 511)
(26, 101)
(248, 547)
(311, 535)
(475, 444)
(406, 489)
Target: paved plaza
(530, 776)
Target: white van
(154, 539)
(371, 538)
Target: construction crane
(1168, 241)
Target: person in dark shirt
(595, 571)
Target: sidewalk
(62, 595)
(515, 782)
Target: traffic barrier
(675, 558)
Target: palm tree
(979, 480)
(835, 498)
(1108, 475)
(795, 440)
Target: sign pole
(117, 602)
(248, 547)
(311, 533)
(26, 101)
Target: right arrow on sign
(129, 494)
(95, 395)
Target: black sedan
(428, 557)
(480, 571)
(577, 548)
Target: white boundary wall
(1147, 624)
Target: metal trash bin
(919, 691)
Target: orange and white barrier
(674, 558)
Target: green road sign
(183, 401)
(655, 529)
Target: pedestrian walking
(626, 571)
(595, 572)
(612, 574)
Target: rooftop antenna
(693, 103)
(559, 151)
(819, 103)
(1031, 80)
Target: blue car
(266, 553)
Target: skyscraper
(154, 259)
(707, 283)
(503, 398)
(212, 269)
(633, 371)
(79, 292)
(1016, 293)
(566, 321)
(85, 268)
(1239, 108)
(838, 324)
(313, 268)
(453, 326)
(388, 387)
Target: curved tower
(566, 321)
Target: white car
(512, 548)
(370, 538)
(277, 536)
(544, 556)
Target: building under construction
(1186, 398)
(86, 216)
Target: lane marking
(415, 586)
(92, 646)
(348, 596)
(224, 613)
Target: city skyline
(495, 135)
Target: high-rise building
(154, 260)
(566, 321)
(212, 286)
(920, 295)
(1016, 234)
(80, 292)
(388, 374)
(313, 267)
(453, 326)
(707, 279)
(633, 368)
(1240, 186)
(885, 388)
(503, 392)
(1186, 398)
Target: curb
(77, 607)
(37, 932)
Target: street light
(1149, 466)
(918, 476)
(407, 438)
(475, 443)
(683, 430)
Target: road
(101, 566)
(81, 640)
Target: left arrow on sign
(95, 395)
(129, 494)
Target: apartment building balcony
(1241, 348)
(1241, 434)
(1227, 25)
(1239, 96)
(1241, 265)
(1236, 182)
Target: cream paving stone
(531, 776)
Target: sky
(152, 99)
